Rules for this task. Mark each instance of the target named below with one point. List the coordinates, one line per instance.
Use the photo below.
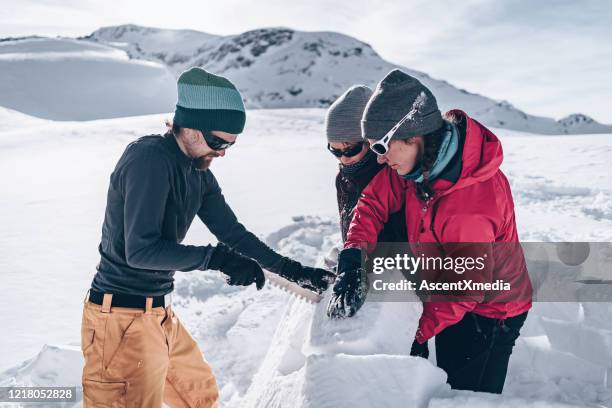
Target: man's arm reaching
(222, 222)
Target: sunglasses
(381, 147)
(350, 152)
(215, 142)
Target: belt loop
(106, 302)
(148, 305)
(168, 301)
(86, 296)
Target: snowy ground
(267, 348)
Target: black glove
(239, 269)
(351, 285)
(419, 350)
(314, 279)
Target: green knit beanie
(208, 102)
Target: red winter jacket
(478, 208)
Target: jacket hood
(482, 151)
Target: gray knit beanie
(396, 95)
(343, 118)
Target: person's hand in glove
(419, 350)
(239, 269)
(314, 279)
(351, 285)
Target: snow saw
(329, 262)
(292, 287)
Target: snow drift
(65, 79)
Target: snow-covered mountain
(129, 70)
(583, 123)
(285, 68)
(170, 47)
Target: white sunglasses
(381, 147)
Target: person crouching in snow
(136, 350)
(357, 167)
(446, 171)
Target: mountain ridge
(278, 67)
(275, 67)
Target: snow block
(577, 339)
(535, 356)
(381, 327)
(346, 381)
(363, 361)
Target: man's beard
(203, 162)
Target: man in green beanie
(136, 350)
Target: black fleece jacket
(155, 193)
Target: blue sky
(546, 57)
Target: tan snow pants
(141, 357)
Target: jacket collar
(172, 144)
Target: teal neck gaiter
(448, 149)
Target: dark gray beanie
(396, 95)
(343, 118)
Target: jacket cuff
(207, 258)
(277, 267)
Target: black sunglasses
(215, 142)
(350, 152)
